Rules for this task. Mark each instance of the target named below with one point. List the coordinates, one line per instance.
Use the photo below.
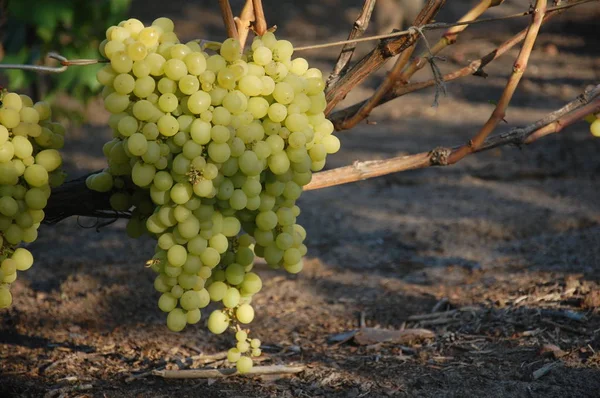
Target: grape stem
(244, 21)
(228, 20)
(586, 103)
(222, 373)
(260, 24)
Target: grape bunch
(29, 166)
(212, 152)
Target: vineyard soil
(509, 238)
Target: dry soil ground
(509, 240)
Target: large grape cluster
(29, 166)
(213, 151)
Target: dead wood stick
(221, 373)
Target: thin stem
(575, 110)
(228, 19)
(360, 26)
(558, 125)
(448, 38)
(260, 25)
(64, 62)
(518, 70)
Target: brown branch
(377, 57)
(260, 25)
(360, 26)
(558, 125)
(338, 117)
(519, 68)
(228, 19)
(568, 114)
(399, 77)
(381, 91)
(73, 198)
(244, 21)
(448, 38)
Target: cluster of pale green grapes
(29, 166)
(212, 150)
(594, 121)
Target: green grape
(22, 147)
(199, 102)
(195, 63)
(277, 112)
(190, 300)
(217, 290)
(283, 93)
(137, 144)
(219, 242)
(244, 313)
(121, 62)
(231, 298)
(251, 85)
(204, 298)
(192, 265)
(193, 316)
(177, 255)
(176, 291)
(176, 320)
(231, 50)
(5, 297)
(234, 274)
(114, 103)
(210, 257)
(243, 346)
(262, 56)
(124, 83)
(294, 268)
(258, 107)
(233, 355)
(36, 175)
(251, 284)
(167, 302)
(50, 159)
(218, 322)
(273, 254)
(142, 174)
(175, 69)
(244, 365)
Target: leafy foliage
(74, 28)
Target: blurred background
(513, 231)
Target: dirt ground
(499, 255)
